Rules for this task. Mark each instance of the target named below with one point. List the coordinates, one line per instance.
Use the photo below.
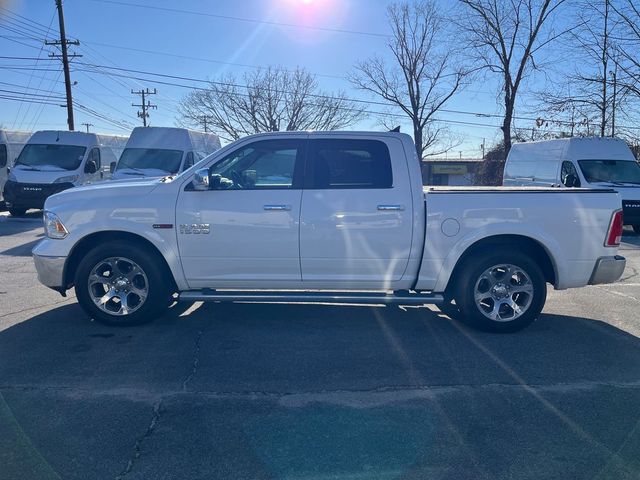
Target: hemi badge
(163, 225)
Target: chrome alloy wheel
(503, 292)
(118, 286)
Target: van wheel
(121, 284)
(17, 212)
(500, 292)
(636, 228)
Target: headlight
(12, 177)
(67, 179)
(53, 226)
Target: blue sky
(225, 44)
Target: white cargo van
(160, 151)
(579, 162)
(53, 161)
(11, 143)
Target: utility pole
(205, 120)
(483, 142)
(145, 105)
(613, 103)
(87, 125)
(63, 42)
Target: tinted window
(188, 162)
(67, 157)
(620, 171)
(95, 156)
(3, 156)
(568, 168)
(346, 163)
(167, 161)
(269, 164)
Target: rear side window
(3, 156)
(349, 163)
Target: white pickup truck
(325, 217)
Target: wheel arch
(526, 244)
(88, 242)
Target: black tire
(636, 228)
(472, 274)
(17, 212)
(156, 280)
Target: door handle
(387, 208)
(277, 207)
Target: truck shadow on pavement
(288, 391)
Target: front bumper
(607, 270)
(50, 271)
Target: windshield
(611, 171)
(67, 157)
(150, 158)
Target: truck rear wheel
(500, 292)
(121, 284)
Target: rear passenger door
(356, 215)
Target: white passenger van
(11, 143)
(600, 163)
(53, 161)
(160, 151)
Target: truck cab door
(243, 231)
(356, 223)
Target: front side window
(167, 161)
(188, 161)
(95, 156)
(610, 171)
(346, 163)
(37, 156)
(568, 168)
(267, 164)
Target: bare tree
(422, 77)
(506, 37)
(628, 12)
(267, 100)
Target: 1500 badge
(194, 228)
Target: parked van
(11, 143)
(53, 161)
(579, 162)
(160, 151)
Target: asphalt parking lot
(241, 391)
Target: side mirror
(200, 180)
(90, 167)
(571, 181)
(112, 167)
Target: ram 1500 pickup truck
(325, 217)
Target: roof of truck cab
(576, 148)
(173, 138)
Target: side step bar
(262, 296)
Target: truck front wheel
(500, 292)
(121, 284)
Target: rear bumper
(607, 270)
(50, 270)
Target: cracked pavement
(242, 391)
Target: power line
(243, 19)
